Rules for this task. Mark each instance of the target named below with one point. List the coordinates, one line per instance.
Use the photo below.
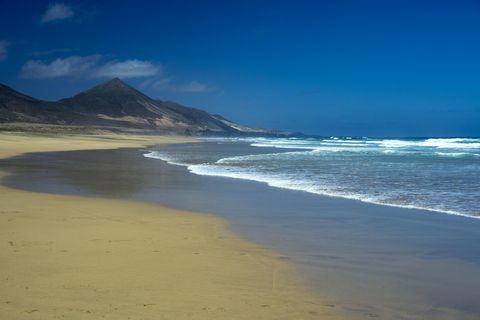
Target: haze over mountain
(115, 104)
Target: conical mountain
(115, 104)
(113, 98)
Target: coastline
(326, 194)
(329, 162)
(368, 260)
(73, 256)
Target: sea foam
(401, 173)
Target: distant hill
(116, 104)
(18, 107)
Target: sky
(350, 68)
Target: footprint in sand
(31, 310)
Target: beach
(367, 260)
(73, 257)
(268, 160)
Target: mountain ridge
(116, 104)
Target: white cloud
(74, 66)
(3, 50)
(160, 84)
(93, 66)
(193, 86)
(88, 67)
(57, 11)
(127, 69)
(169, 84)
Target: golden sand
(71, 257)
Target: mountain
(18, 107)
(116, 104)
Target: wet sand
(76, 257)
(368, 260)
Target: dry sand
(70, 257)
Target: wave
(457, 154)
(450, 143)
(171, 160)
(220, 168)
(440, 147)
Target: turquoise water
(441, 175)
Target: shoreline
(368, 260)
(77, 256)
(331, 195)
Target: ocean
(436, 174)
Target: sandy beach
(78, 257)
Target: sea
(441, 175)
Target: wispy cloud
(169, 84)
(96, 66)
(193, 86)
(74, 66)
(57, 11)
(158, 84)
(88, 67)
(127, 69)
(3, 50)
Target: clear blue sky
(378, 68)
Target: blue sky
(377, 68)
